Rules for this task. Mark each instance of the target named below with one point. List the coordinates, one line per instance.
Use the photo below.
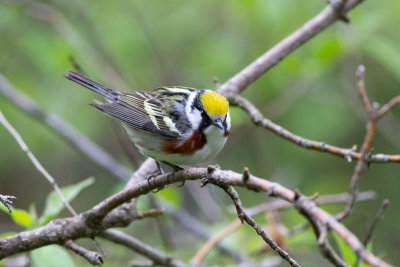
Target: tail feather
(98, 88)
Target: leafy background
(152, 43)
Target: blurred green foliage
(138, 44)
(49, 255)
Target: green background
(147, 44)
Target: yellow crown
(214, 103)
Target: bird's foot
(206, 178)
(175, 168)
(151, 177)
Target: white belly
(215, 142)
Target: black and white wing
(159, 112)
(141, 111)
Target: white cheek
(228, 121)
(195, 118)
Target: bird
(174, 125)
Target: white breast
(215, 142)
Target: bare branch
(35, 162)
(320, 22)
(361, 89)
(70, 134)
(84, 225)
(347, 153)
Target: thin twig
(243, 216)
(374, 223)
(346, 153)
(92, 257)
(388, 106)
(325, 248)
(7, 201)
(273, 206)
(149, 213)
(35, 162)
(70, 134)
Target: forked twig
(244, 217)
(7, 201)
(373, 114)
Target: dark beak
(219, 124)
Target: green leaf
(50, 256)
(22, 218)
(19, 216)
(346, 252)
(54, 204)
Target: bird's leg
(161, 172)
(175, 168)
(154, 175)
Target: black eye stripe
(225, 123)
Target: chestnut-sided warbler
(174, 125)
